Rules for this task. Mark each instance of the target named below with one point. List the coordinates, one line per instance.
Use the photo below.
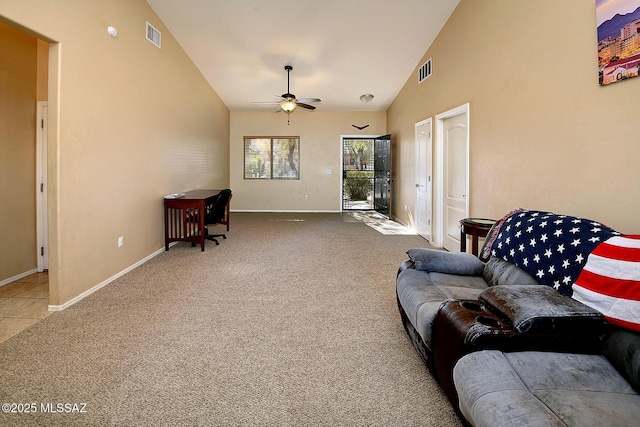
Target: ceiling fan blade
(278, 100)
(307, 106)
(289, 101)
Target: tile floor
(23, 303)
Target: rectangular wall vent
(153, 35)
(425, 71)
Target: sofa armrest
(539, 309)
(406, 264)
(623, 351)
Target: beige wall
(128, 123)
(17, 152)
(42, 84)
(543, 133)
(319, 134)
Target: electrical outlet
(306, 197)
(120, 241)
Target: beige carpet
(291, 321)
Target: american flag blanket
(584, 259)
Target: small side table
(476, 227)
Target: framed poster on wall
(618, 24)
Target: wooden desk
(184, 217)
(476, 227)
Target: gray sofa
(508, 350)
(429, 277)
(535, 388)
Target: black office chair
(215, 213)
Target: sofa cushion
(500, 272)
(459, 263)
(541, 309)
(458, 287)
(425, 319)
(414, 288)
(421, 293)
(543, 389)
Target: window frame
(272, 140)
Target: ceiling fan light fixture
(367, 97)
(288, 106)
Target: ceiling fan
(288, 102)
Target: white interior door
(451, 177)
(42, 230)
(424, 155)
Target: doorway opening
(357, 173)
(29, 274)
(366, 174)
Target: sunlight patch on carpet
(380, 223)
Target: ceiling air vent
(425, 71)
(153, 35)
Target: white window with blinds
(272, 157)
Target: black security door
(382, 175)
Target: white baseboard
(18, 277)
(106, 282)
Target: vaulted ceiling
(339, 49)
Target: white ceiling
(339, 49)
